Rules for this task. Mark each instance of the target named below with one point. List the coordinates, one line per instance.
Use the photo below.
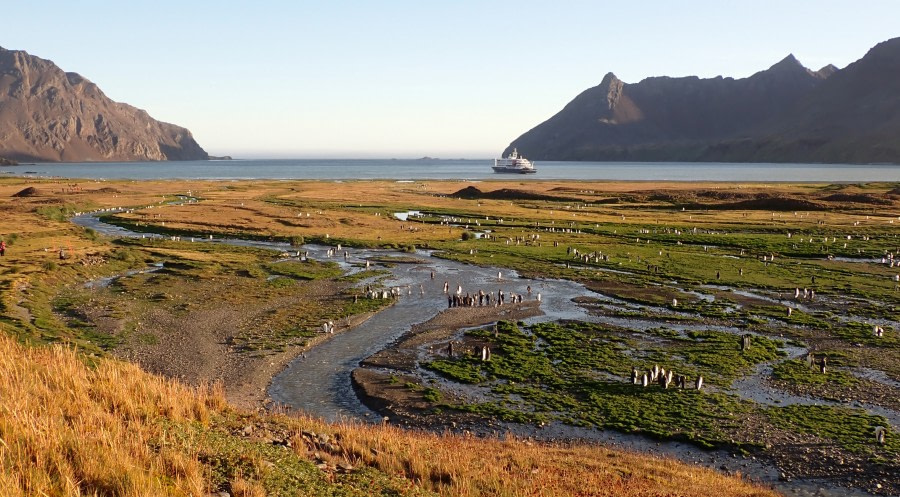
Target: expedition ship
(514, 164)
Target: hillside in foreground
(108, 428)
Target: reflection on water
(404, 216)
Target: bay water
(458, 169)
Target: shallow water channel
(318, 382)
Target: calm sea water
(347, 169)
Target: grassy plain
(163, 438)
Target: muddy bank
(200, 346)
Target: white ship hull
(514, 164)
(518, 170)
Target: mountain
(786, 113)
(50, 115)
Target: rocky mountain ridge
(49, 115)
(786, 113)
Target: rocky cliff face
(786, 113)
(47, 114)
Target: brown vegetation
(111, 429)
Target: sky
(406, 79)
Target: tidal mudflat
(781, 297)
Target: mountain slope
(786, 113)
(47, 114)
(853, 117)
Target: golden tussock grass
(108, 428)
(70, 429)
(469, 466)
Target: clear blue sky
(410, 78)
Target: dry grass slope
(108, 428)
(71, 429)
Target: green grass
(562, 371)
(275, 466)
(576, 372)
(718, 357)
(798, 372)
(852, 429)
(61, 213)
(862, 333)
(281, 282)
(689, 263)
(56, 301)
(431, 394)
(465, 370)
(706, 419)
(308, 270)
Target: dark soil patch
(472, 193)
(859, 198)
(384, 392)
(28, 192)
(863, 391)
(655, 295)
(687, 195)
(469, 192)
(769, 203)
(730, 199)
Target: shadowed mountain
(47, 114)
(786, 113)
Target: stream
(318, 382)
